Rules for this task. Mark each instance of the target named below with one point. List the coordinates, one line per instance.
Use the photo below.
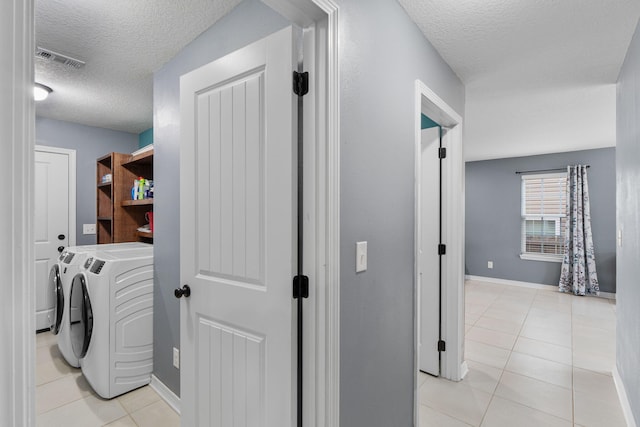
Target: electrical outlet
(88, 229)
(489, 264)
(176, 358)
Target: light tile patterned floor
(65, 399)
(536, 358)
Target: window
(543, 216)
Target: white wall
(522, 122)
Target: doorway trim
(17, 390)
(71, 154)
(319, 21)
(17, 257)
(452, 366)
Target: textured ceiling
(122, 42)
(492, 45)
(529, 43)
(539, 75)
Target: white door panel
(237, 237)
(51, 210)
(429, 259)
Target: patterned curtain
(578, 273)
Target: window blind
(544, 214)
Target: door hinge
(442, 152)
(300, 287)
(442, 249)
(442, 346)
(300, 83)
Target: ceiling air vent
(49, 55)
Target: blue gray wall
(90, 143)
(382, 53)
(628, 203)
(248, 22)
(493, 216)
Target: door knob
(185, 291)
(60, 249)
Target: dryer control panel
(96, 268)
(88, 262)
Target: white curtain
(578, 274)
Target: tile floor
(536, 358)
(65, 399)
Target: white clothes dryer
(69, 264)
(112, 328)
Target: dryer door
(80, 316)
(55, 287)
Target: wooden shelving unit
(119, 217)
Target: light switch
(361, 256)
(489, 264)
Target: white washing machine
(69, 264)
(112, 328)
(57, 295)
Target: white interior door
(237, 238)
(52, 225)
(429, 260)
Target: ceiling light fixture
(40, 92)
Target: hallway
(536, 357)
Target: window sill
(540, 257)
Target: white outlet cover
(489, 264)
(88, 229)
(176, 358)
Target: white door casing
(17, 392)
(428, 275)
(237, 237)
(54, 209)
(452, 365)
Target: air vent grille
(49, 55)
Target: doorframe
(17, 258)
(17, 390)
(322, 321)
(71, 154)
(453, 366)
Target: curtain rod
(546, 170)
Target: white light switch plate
(489, 264)
(88, 229)
(361, 256)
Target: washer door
(80, 316)
(55, 287)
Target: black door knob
(60, 249)
(184, 292)
(61, 236)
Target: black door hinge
(300, 287)
(442, 346)
(442, 152)
(442, 249)
(300, 83)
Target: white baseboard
(624, 399)
(464, 369)
(165, 393)
(606, 295)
